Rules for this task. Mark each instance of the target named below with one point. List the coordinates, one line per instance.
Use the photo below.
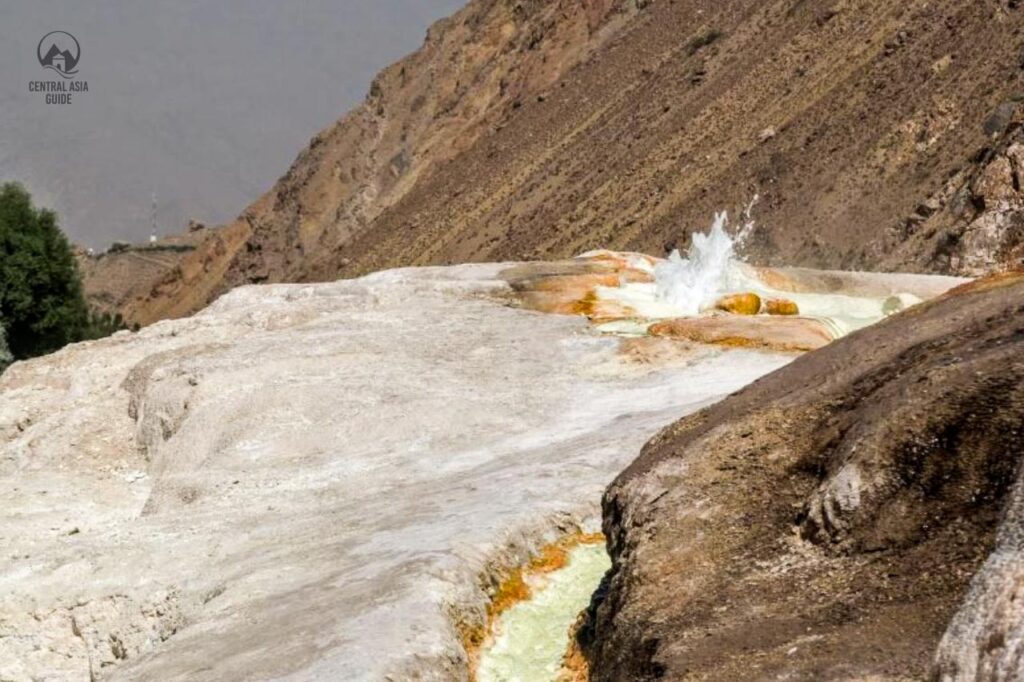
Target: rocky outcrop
(542, 129)
(319, 481)
(974, 224)
(984, 640)
(826, 522)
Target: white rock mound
(309, 481)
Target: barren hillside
(528, 129)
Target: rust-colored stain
(515, 588)
(571, 288)
(740, 304)
(575, 666)
(781, 306)
(786, 334)
(988, 282)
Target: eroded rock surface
(974, 223)
(311, 481)
(825, 523)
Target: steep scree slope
(421, 112)
(523, 129)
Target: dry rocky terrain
(855, 515)
(879, 135)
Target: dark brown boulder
(826, 522)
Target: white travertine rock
(304, 481)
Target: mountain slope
(523, 129)
(843, 117)
(420, 113)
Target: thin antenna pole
(152, 216)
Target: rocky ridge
(975, 223)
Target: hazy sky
(204, 102)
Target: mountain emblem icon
(60, 51)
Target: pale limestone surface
(308, 481)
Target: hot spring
(528, 641)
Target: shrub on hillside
(104, 324)
(703, 40)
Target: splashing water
(709, 269)
(687, 286)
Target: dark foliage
(5, 353)
(41, 301)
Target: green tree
(5, 353)
(41, 300)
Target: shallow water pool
(531, 637)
